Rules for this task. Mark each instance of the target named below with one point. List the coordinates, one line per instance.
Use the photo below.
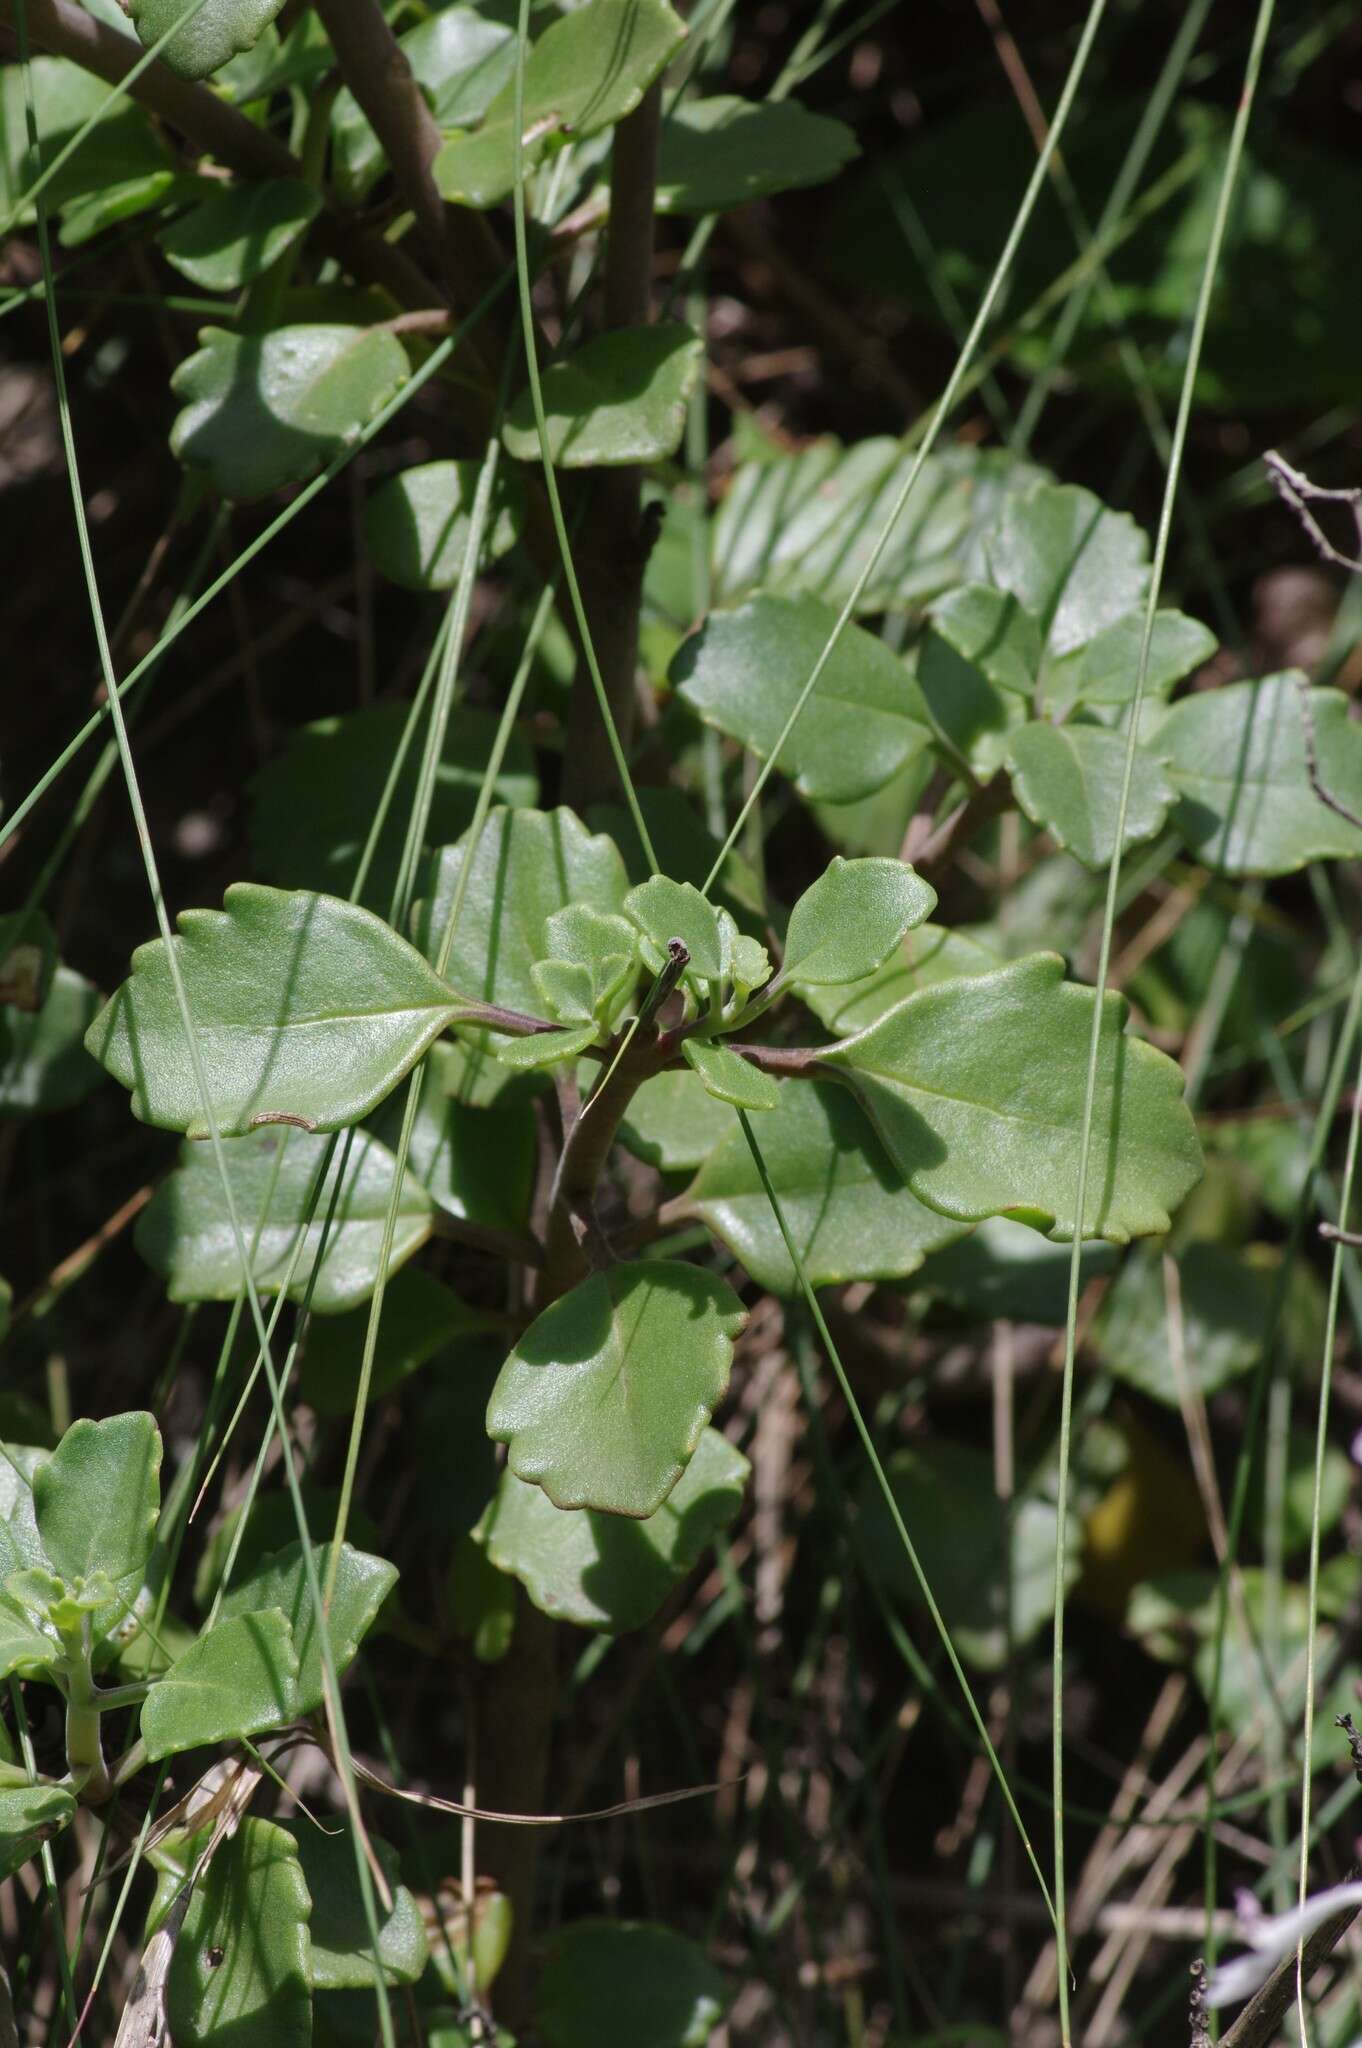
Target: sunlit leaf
(1068, 778)
(1105, 669)
(29, 1816)
(729, 1077)
(926, 956)
(241, 1970)
(745, 670)
(528, 865)
(849, 922)
(1237, 758)
(609, 1571)
(844, 1204)
(186, 1234)
(618, 399)
(97, 1497)
(570, 90)
(991, 632)
(217, 32)
(722, 152)
(1074, 565)
(977, 1090)
(666, 910)
(807, 523)
(307, 1011)
(605, 1397)
(363, 1583)
(262, 410)
(240, 1677)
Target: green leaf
(618, 399)
(674, 1122)
(363, 1583)
(1075, 566)
(991, 633)
(852, 918)
(1068, 779)
(926, 956)
(545, 1048)
(665, 910)
(307, 1010)
(717, 153)
(807, 523)
(313, 805)
(607, 1394)
(965, 1537)
(20, 1543)
(728, 1076)
(482, 1602)
(24, 1648)
(977, 1087)
(461, 59)
(342, 1956)
(843, 1202)
(421, 1318)
(606, 1571)
(528, 865)
(219, 31)
(263, 410)
(1106, 668)
(241, 1969)
(744, 671)
(474, 1161)
(185, 1232)
(29, 1816)
(1004, 1268)
(43, 1061)
(973, 716)
(417, 524)
(122, 149)
(97, 1497)
(1237, 758)
(236, 234)
(593, 963)
(240, 1677)
(626, 1984)
(588, 70)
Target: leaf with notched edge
(606, 1395)
(307, 1011)
(977, 1087)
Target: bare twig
(1296, 490)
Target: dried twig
(1296, 490)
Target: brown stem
(485, 1237)
(612, 552)
(798, 1061)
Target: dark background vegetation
(860, 1809)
